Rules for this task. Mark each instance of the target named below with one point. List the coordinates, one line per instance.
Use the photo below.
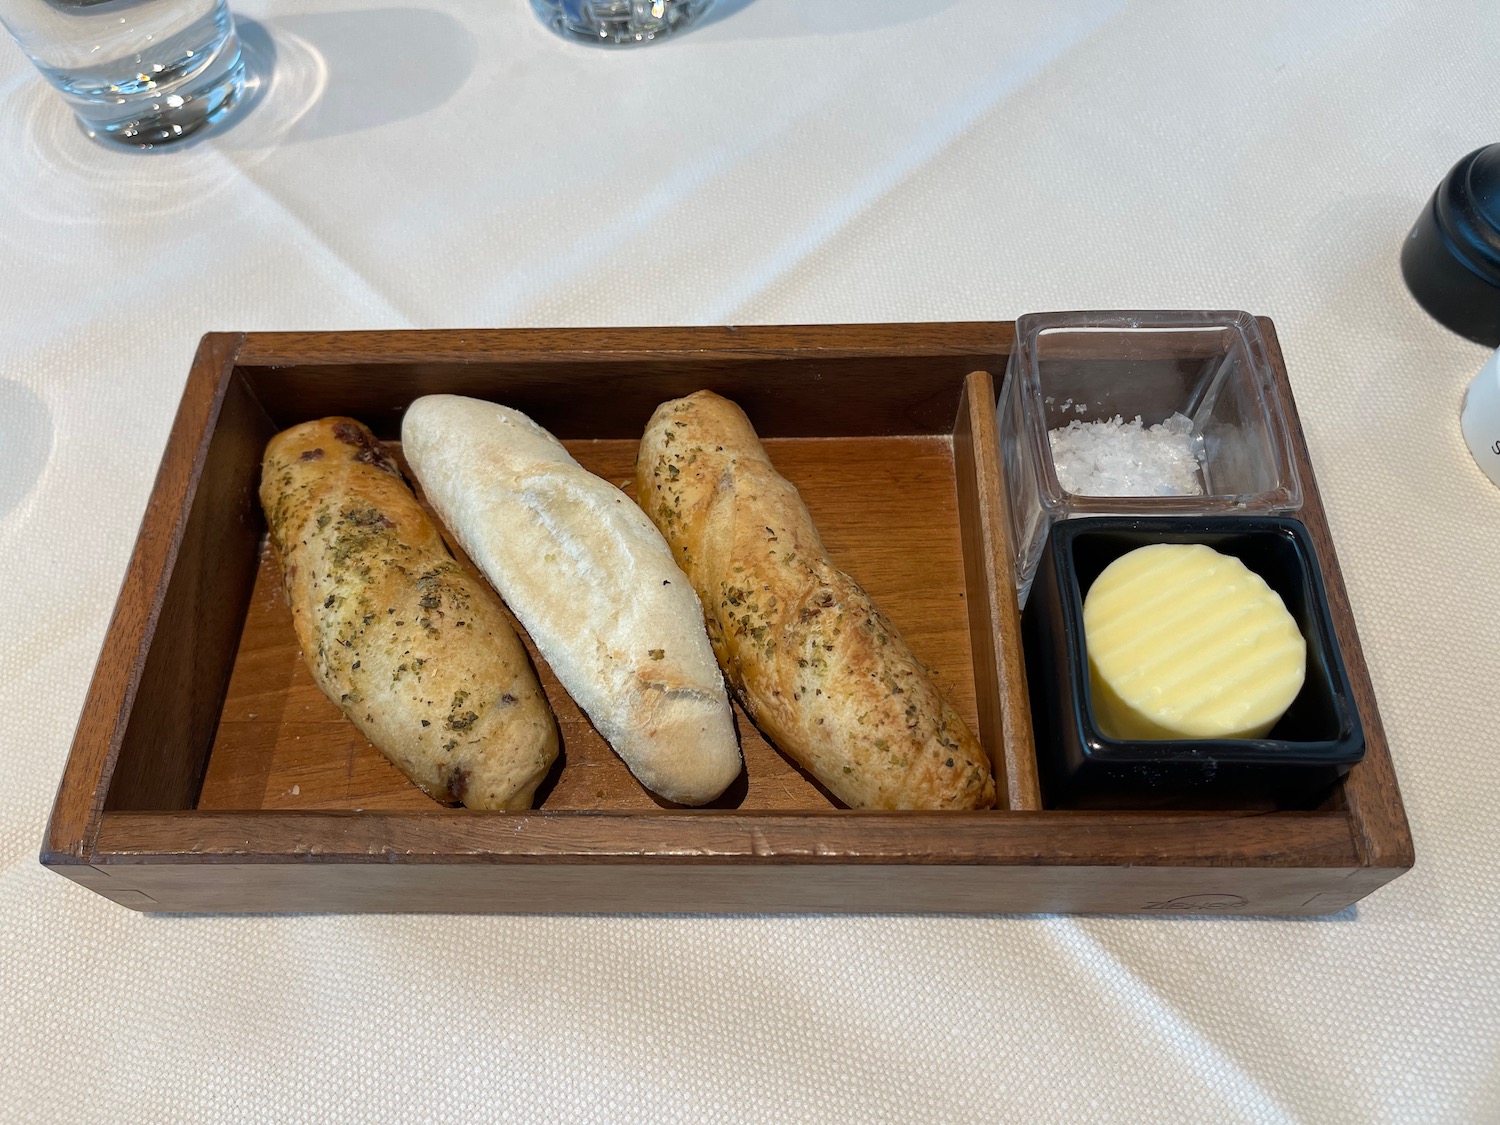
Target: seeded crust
(418, 655)
(819, 668)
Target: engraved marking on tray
(1198, 904)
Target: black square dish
(1312, 745)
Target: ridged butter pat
(1185, 642)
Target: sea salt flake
(1119, 458)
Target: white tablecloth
(453, 165)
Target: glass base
(173, 113)
(619, 23)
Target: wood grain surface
(1369, 792)
(107, 709)
(842, 380)
(994, 621)
(237, 887)
(887, 510)
(181, 693)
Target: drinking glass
(137, 72)
(620, 23)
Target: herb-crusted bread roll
(593, 583)
(819, 668)
(418, 655)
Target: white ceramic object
(1481, 418)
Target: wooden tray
(209, 774)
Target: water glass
(138, 72)
(620, 23)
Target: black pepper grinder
(1451, 259)
(1451, 262)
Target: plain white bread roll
(592, 581)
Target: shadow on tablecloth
(26, 428)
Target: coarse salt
(1119, 458)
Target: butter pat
(1185, 642)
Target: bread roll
(592, 582)
(817, 666)
(418, 655)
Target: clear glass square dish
(1210, 367)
